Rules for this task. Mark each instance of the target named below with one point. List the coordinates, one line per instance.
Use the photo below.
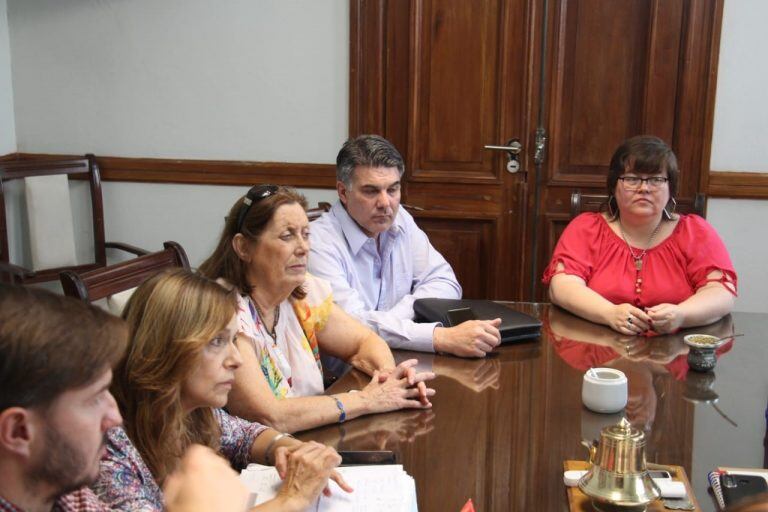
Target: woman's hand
(627, 319)
(666, 318)
(308, 468)
(402, 388)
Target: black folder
(515, 326)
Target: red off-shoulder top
(671, 272)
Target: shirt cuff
(422, 337)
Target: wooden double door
(568, 79)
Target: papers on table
(376, 488)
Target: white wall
(740, 143)
(233, 79)
(259, 80)
(7, 125)
(192, 215)
(741, 124)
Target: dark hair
(366, 150)
(50, 344)
(643, 154)
(224, 262)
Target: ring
(629, 320)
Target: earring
(669, 213)
(613, 214)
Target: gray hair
(366, 150)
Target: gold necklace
(639, 257)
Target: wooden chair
(315, 213)
(581, 203)
(82, 168)
(103, 282)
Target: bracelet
(343, 413)
(272, 443)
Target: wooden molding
(208, 172)
(746, 185)
(741, 185)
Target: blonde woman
(170, 386)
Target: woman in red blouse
(638, 266)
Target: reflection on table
(502, 426)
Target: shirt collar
(355, 236)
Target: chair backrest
(110, 280)
(581, 203)
(315, 213)
(82, 168)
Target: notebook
(515, 326)
(736, 490)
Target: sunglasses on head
(254, 195)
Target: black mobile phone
(737, 487)
(460, 315)
(366, 458)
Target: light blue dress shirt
(379, 284)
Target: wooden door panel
(616, 69)
(443, 78)
(466, 67)
(460, 102)
(468, 245)
(457, 99)
(458, 200)
(600, 96)
(621, 69)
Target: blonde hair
(171, 317)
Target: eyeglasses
(254, 195)
(635, 182)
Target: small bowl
(704, 341)
(605, 390)
(701, 356)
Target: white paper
(385, 488)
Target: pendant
(639, 264)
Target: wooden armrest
(126, 247)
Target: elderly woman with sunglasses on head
(639, 267)
(286, 317)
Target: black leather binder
(515, 326)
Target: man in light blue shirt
(379, 262)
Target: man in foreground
(56, 357)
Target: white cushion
(116, 303)
(51, 231)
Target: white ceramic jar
(604, 390)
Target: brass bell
(618, 479)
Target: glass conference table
(501, 427)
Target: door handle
(513, 148)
